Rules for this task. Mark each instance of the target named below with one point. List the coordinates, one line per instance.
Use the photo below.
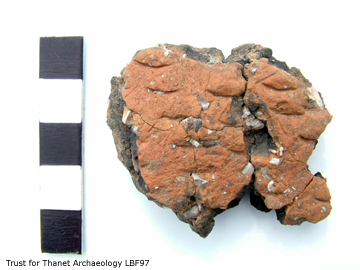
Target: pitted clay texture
(197, 132)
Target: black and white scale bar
(60, 131)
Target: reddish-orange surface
(177, 162)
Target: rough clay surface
(197, 131)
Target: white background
(319, 37)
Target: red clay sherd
(197, 132)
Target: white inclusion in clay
(274, 161)
(204, 103)
(134, 129)
(251, 122)
(159, 92)
(281, 151)
(166, 53)
(197, 180)
(126, 115)
(183, 56)
(192, 213)
(194, 143)
(314, 95)
(270, 186)
(249, 168)
(172, 146)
